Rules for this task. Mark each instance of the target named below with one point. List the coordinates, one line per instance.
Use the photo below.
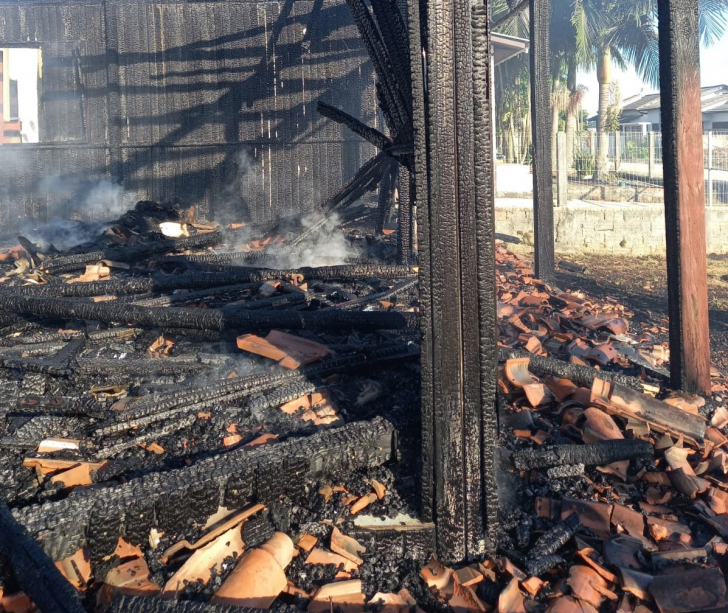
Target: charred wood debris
(188, 429)
(194, 418)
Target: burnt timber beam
(166, 500)
(35, 572)
(450, 43)
(682, 154)
(543, 197)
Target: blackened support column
(682, 154)
(454, 192)
(541, 118)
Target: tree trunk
(571, 114)
(604, 75)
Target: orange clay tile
(320, 556)
(200, 566)
(259, 577)
(76, 569)
(511, 599)
(264, 439)
(346, 546)
(532, 585)
(131, 578)
(231, 440)
(362, 503)
(468, 575)
(346, 596)
(81, 474)
(464, 600)
(126, 550)
(307, 542)
(389, 603)
(435, 575)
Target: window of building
(720, 125)
(20, 76)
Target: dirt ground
(640, 283)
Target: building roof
(714, 99)
(505, 47)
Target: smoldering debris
(177, 426)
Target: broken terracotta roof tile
(702, 589)
(379, 489)
(464, 600)
(307, 542)
(584, 582)
(362, 503)
(346, 596)
(632, 521)
(321, 556)
(511, 600)
(205, 562)
(346, 546)
(468, 575)
(593, 515)
(131, 578)
(532, 585)
(77, 569)
(259, 576)
(19, 602)
(389, 603)
(435, 575)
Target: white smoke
(79, 213)
(326, 245)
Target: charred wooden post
(35, 572)
(454, 192)
(543, 197)
(682, 154)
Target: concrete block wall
(619, 230)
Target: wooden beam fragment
(682, 154)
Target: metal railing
(628, 168)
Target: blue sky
(713, 71)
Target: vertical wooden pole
(541, 118)
(562, 178)
(454, 192)
(682, 154)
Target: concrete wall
(615, 229)
(212, 102)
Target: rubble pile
(170, 406)
(186, 427)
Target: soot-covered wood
(453, 171)
(682, 154)
(543, 198)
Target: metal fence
(630, 169)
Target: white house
(641, 113)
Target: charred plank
(131, 253)
(67, 525)
(204, 319)
(592, 454)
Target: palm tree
(624, 32)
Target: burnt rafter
(386, 39)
